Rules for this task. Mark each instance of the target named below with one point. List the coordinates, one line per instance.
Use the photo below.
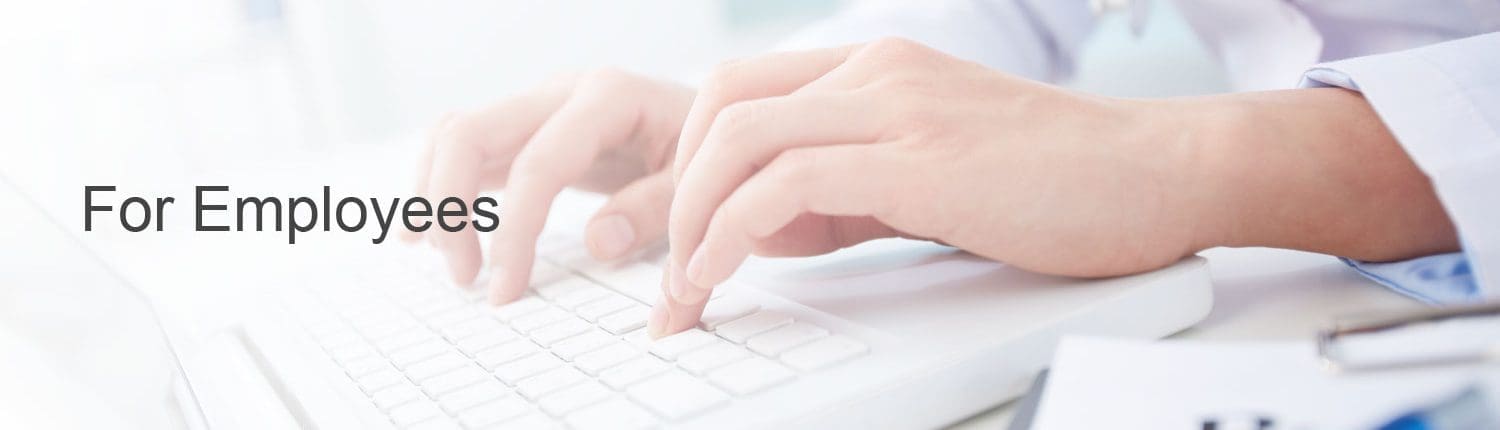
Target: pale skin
(804, 153)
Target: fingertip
(656, 324)
(463, 264)
(682, 316)
(500, 293)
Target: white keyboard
(572, 353)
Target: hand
(605, 131)
(805, 153)
(808, 152)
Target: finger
(424, 168)
(813, 234)
(748, 135)
(843, 180)
(823, 180)
(603, 111)
(766, 76)
(461, 150)
(634, 217)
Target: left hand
(807, 152)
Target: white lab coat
(1430, 68)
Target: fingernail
(695, 266)
(612, 235)
(656, 325)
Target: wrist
(1202, 142)
(1313, 170)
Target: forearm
(1314, 170)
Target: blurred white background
(194, 84)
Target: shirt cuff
(1439, 101)
(1441, 279)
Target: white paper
(1109, 383)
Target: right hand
(606, 131)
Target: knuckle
(738, 119)
(721, 80)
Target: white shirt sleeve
(1036, 39)
(1442, 102)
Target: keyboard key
(365, 366)
(467, 397)
(729, 309)
(606, 357)
(473, 345)
(781, 339)
(823, 352)
(402, 339)
(518, 308)
(572, 301)
(505, 353)
(347, 353)
(578, 345)
(551, 334)
(573, 398)
(633, 371)
(538, 319)
(739, 330)
(389, 327)
(612, 302)
(544, 273)
(494, 411)
(675, 395)
(454, 379)
(712, 356)
(513, 372)
(639, 281)
(617, 414)
(417, 353)
(435, 424)
(413, 412)
(529, 421)
(452, 317)
(436, 365)
(546, 382)
(625, 320)
(470, 327)
(672, 346)
(375, 381)
(565, 287)
(436, 305)
(578, 260)
(640, 338)
(751, 375)
(395, 395)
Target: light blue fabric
(1442, 102)
(1441, 279)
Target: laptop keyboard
(573, 352)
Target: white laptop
(890, 334)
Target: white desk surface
(1266, 294)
